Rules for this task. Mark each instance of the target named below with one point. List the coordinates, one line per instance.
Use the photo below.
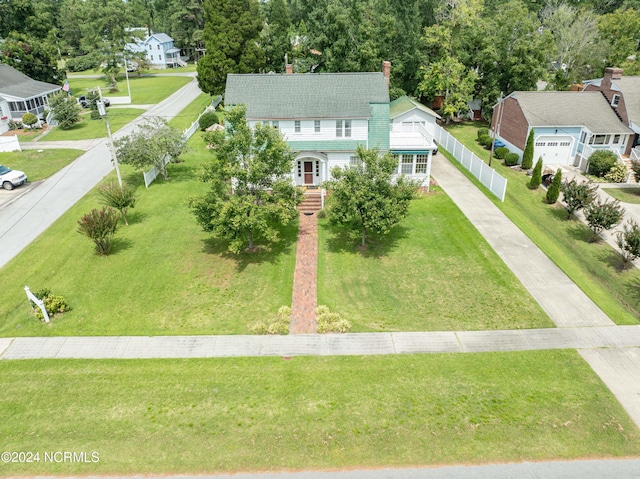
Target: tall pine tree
(527, 156)
(231, 36)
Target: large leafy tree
(367, 198)
(276, 36)
(231, 34)
(65, 109)
(251, 189)
(31, 56)
(621, 30)
(153, 143)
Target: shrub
(53, 304)
(322, 214)
(207, 119)
(396, 92)
(501, 152)
(628, 240)
(279, 324)
(15, 125)
(65, 110)
(78, 64)
(29, 119)
(617, 174)
(602, 216)
(536, 176)
(511, 159)
(601, 162)
(483, 132)
(482, 139)
(553, 192)
(527, 155)
(635, 166)
(100, 226)
(329, 322)
(118, 198)
(487, 141)
(578, 195)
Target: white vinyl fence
(9, 143)
(496, 183)
(152, 174)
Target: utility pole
(496, 131)
(103, 112)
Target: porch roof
(406, 140)
(18, 85)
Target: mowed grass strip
(594, 267)
(624, 195)
(432, 272)
(144, 90)
(164, 276)
(39, 164)
(87, 129)
(186, 117)
(255, 414)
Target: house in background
(20, 94)
(159, 50)
(568, 126)
(325, 117)
(623, 95)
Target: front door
(308, 172)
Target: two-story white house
(325, 117)
(159, 49)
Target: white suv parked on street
(10, 178)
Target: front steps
(312, 202)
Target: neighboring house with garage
(568, 126)
(325, 117)
(623, 95)
(20, 94)
(159, 51)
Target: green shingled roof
(404, 104)
(307, 95)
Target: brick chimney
(288, 68)
(611, 73)
(386, 71)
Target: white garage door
(554, 150)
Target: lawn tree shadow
(134, 217)
(633, 293)
(120, 244)
(345, 240)
(265, 252)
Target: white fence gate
(496, 183)
(9, 143)
(152, 174)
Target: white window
(540, 143)
(354, 162)
(407, 165)
(583, 137)
(316, 126)
(615, 100)
(160, 57)
(600, 140)
(296, 125)
(343, 128)
(158, 47)
(565, 143)
(421, 164)
(616, 139)
(151, 57)
(397, 158)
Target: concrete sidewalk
(356, 344)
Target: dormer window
(615, 100)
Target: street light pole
(103, 112)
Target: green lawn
(187, 116)
(257, 414)
(165, 275)
(595, 268)
(144, 90)
(625, 195)
(87, 128)
(191, 67)
(39, 165)
(432, 272)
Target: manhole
(308, 213)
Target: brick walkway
(304, 302)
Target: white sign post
(38, 302)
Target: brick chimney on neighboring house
(611, 73)
(386, 71)
(288, 68)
